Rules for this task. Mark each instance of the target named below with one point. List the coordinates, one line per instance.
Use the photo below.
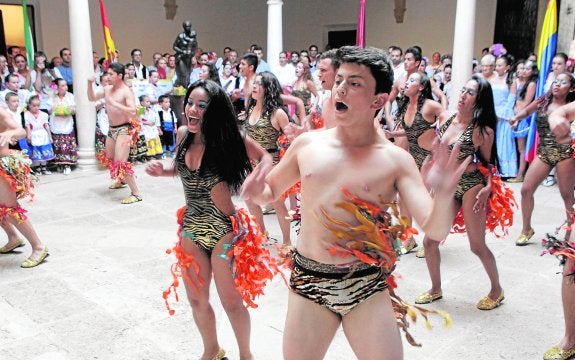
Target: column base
(87, 159)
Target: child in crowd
(168, 126)
(150, 127)
(153, 90)
(62, 127)
(102, 122)
(38, 134)
(15, 112)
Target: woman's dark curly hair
(272, 94)
(423, 95)
(225, 151)
(484, 113)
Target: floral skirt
(65, 149)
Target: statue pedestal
(177, 105)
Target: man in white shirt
(285, 71)
(141, 70)
(395, 55)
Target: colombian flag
(547, 46)
(110, 49)
(28, 36)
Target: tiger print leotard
(469, 179)
(266, 135)
(204, 223)
(413, 132)
(549, 150)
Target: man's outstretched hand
(255, 182)
(442, 170)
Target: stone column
(83, 67)
(275, 32)
(463, 44)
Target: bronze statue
(185, 47)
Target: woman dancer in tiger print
(473, 128)
(212, 160)
(267, 117)
(417, 115)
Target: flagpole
(28, 39)
(360, 33)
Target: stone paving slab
(99, 294)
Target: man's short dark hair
(118, 68)
(375, 59)
(415, 52)
(134, 50)
(62, 51)
(331, 55)
(418, 49)
(10, 49)
(251, 59)
(396, 48)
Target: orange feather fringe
(15, 169)
(500, 207)
(251, 263)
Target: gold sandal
(409, 245)
(556, 353)
(31, 262)
(428, 297)
(131, 199)
(116, 185)
(488, 303)
(523, 239)
(221, 355)
(11, 247)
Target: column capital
(275, 2)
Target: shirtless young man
(326, 68)
(121, 107)
(15, 183)
(375, 171)
(248, 66)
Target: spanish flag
(28, 39)
(547, 46)
(110, 49)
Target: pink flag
(360, 34)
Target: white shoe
(67, 170)
(549, 181)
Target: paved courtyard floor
(99, 295)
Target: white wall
(239, 23)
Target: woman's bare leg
(199, 297)
(231, 299)
(536, 173)
(475, 225)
